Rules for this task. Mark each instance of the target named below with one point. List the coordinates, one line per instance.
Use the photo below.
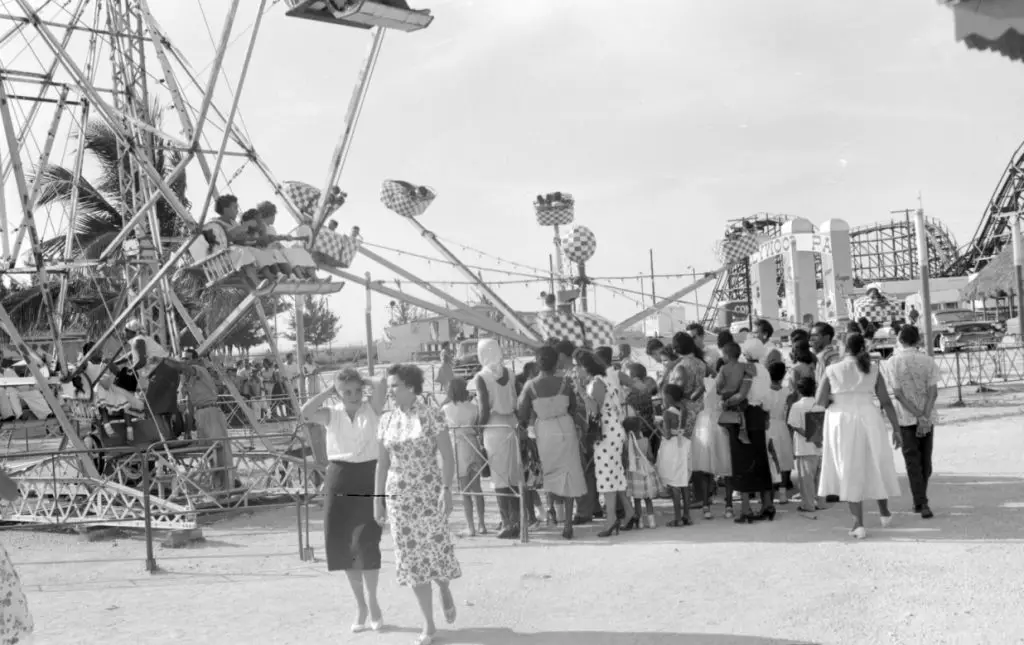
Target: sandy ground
(957, 578)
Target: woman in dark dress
(351, 533)
(751, 474)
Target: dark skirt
(750, 470)
(351, 534)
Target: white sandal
(424, 639)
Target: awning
(990, 25)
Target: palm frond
(56, 184)
(90, 229)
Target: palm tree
(101, 212)
(103, 208)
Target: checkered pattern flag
(336, 249)
(579, 244)
(306, 198)
(734, 250)
(583, 329)
(408, 200)
(558, 213)
(877, 311)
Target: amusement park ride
(107, 61)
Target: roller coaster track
(994, 230)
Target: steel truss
(888, 250)
(106, 61)
(994, 229)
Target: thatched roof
(996, 280)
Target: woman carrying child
(461, 414)
(751, 472)
(551, 401)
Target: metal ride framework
(879, 252)
(63, 67)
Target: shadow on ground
(959, 502)
(500, 636)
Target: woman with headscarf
(496, 401)
(751, 472)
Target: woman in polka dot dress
(608, 451)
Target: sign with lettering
(769, 248)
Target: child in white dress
(674, 455)
(778, 431)
(710, 450)
(461, 415)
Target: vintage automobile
(954, 329)
(466, 363)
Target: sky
(663, 121)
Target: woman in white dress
(351, 533)
(496, 403)
(857, 462)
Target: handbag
(730, 418)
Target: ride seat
(362, 14)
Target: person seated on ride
(116, 402)
(271, 261)
(302, 263)
(225, 233)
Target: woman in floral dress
(419, 499)
(15, 622)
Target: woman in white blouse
(352, 535)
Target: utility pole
(654, 299)
(926, 294)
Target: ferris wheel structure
(87, 83)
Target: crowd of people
(577, 424)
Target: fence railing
(980, 368)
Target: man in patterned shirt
(913, 377)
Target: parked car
(466, 363)
(954, 329)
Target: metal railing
(980, 368)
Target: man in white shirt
(764, 331)
(290, 374)
(913, 377)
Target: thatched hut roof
(996, 280)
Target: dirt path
(958, 578)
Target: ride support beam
(467, 312)
(668, 300)
(70, 431)
(499, 304)
(111, 116)
(492, 326)
(28, 219)
(355, 108)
